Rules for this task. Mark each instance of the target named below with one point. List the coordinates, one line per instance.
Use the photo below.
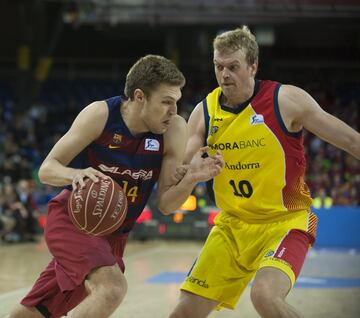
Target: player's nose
(173, 110)
(225, 73)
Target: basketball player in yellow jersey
(265, 226)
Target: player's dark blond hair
(151, 71)
(240, 38)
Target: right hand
(82, 174)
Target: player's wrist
(190, 178)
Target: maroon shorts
(60, 286)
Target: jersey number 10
(243, 189)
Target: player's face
(160, 108)
(233, 73)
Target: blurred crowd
(333, 175)
(18, 212)
(26, 137)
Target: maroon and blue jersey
(133, 162)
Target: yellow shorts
(235, 250)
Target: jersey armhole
(114, 115)
(278, 115)
(206, 120)
(210, 183)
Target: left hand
(179, 174)
(204, 167)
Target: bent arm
(169, 197)
(304, 111)
(87, 126)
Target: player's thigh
(270, 282)
(21, 311)
(217, 273)
(288, 246)
(282, 262)
(281, 265)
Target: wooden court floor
(329, 285)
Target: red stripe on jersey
(296, 194)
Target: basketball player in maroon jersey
(137, 141)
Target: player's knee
(107, 275)
(261, 294)
(111, 295)
(108, 283)
(115, 294)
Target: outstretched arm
(299, 109)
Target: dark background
(314, 41)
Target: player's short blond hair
(240, 38)
(149, 72)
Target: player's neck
(130, 113)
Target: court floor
(329, 285)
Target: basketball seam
(86, 204)
(71, 209)
(119, 221)
(107, 208)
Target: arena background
(58, 56)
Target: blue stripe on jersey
(206, 119)
(209, 184)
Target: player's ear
(254, 68)
(139, 95)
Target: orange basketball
(99, 208)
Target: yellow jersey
(263, 177)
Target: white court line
(20, 291)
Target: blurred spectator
(19, 207)
(7, 223)
(24, 192)
(322, 200)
